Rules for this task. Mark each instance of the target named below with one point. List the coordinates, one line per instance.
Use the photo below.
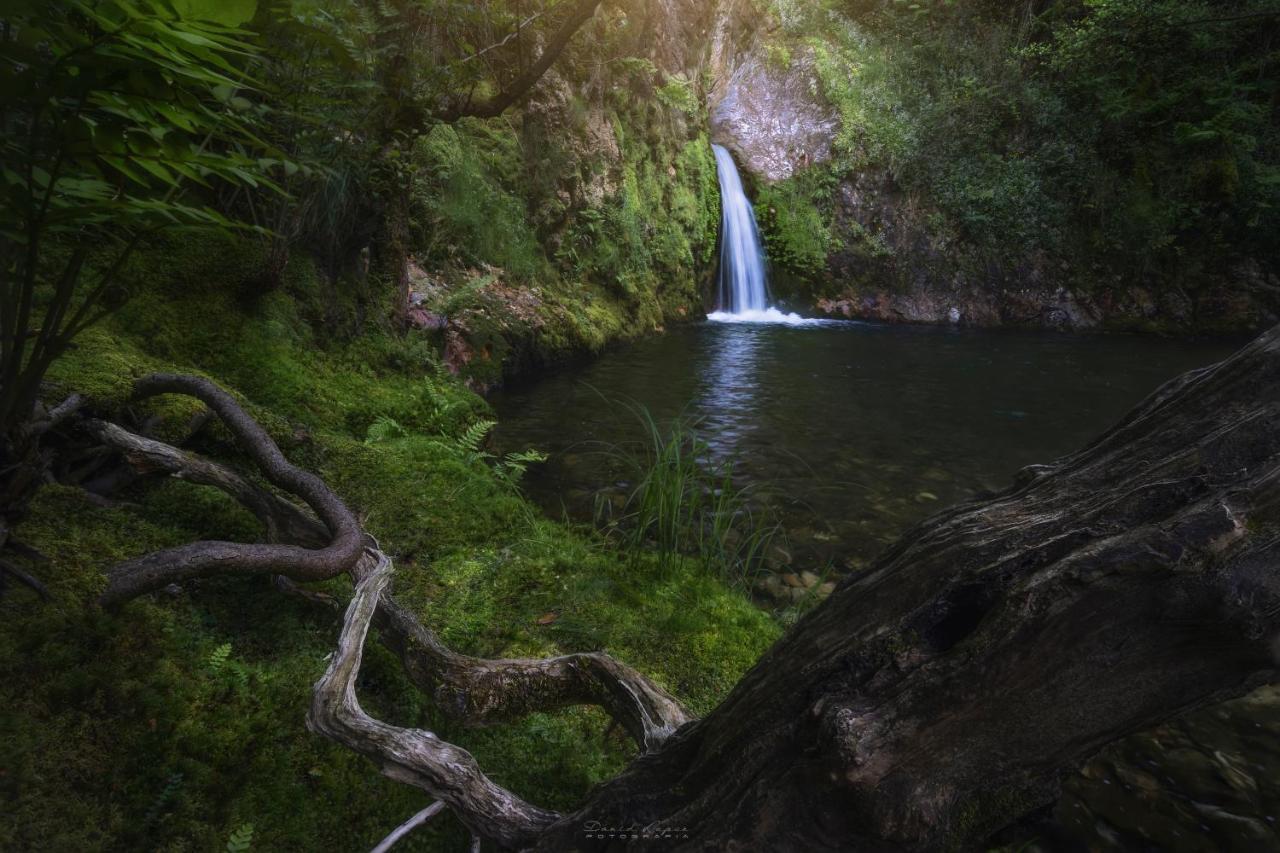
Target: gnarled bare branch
(201, 559)
(581, 12)
(472, 690)
(413, 756)
(285, 521)
(393, 838)
(481, 691)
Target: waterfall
(744, 291)
(742, 279)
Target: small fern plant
(219, 663)
(241, 838)
(467, 445)
(510, 468)
(384, 429)
(470, 443)
(217, 660)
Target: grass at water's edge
(173, 723)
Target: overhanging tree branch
(581, 12)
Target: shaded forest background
(315, 204)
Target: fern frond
(384, 429)
(525, 457)
(217, 659)
(241, 839)
(473, 436)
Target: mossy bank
(177, 721)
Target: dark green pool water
(849, 432)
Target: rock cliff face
(766, 114)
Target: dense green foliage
(308, 137)
(1130, 137)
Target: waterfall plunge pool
(847, 432)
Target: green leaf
(158, 170)
(231, 13)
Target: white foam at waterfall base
(768, 315)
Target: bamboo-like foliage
(111, 113)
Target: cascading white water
(744, 291)
(742, 280)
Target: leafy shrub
(468, 209)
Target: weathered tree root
(413, 756)
(481, 691)
(285, 521)
(202, 559)
(473, 690)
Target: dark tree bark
(944, 691)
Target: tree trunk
(944, 691)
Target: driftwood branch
(475, 691)
(481, 691)
(413, 756)
(285, 521)
(471, 689)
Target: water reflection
(851, 432)
(727, 388)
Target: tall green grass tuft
(684, 504)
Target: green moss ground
(121, 732)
